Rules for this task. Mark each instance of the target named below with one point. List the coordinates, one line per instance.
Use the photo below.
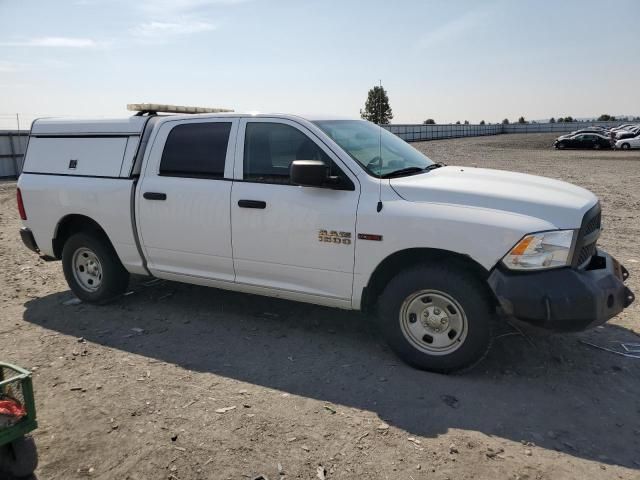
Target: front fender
(482, 234)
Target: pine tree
(376, 108)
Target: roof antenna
(379, 207)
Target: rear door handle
(252, 204)
(154, 196)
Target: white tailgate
(98, 157)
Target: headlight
(541, 250)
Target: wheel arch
(72, 224)
(403, 259)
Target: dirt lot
(311, 386)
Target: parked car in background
(622, 127)
(629, 143)
(628, 133)
(584, 130)
(583, 140)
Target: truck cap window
(269, 149)
(362, 141)
(196, 150)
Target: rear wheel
(19, 458)
(436, 318)
(92, 268)
(625, 146)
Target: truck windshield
(365, 142)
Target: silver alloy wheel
(87, 269)
(434, 322)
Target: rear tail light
(23, 214)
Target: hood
(557, 202)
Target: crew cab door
(183, 199)
(288, 237)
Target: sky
(463, 60)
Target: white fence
(417, 133)
(13, 144)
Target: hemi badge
(369, 236)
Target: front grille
(593, 224)
(587, 236)
(585, 254)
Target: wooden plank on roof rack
(164, 108)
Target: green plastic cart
(18, 454)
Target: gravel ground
(183, 382)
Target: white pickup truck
(333, 212)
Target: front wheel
(437, 318)
(625, 146)
(92, 268)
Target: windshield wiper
(433, 166)
(412, 170)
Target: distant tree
(569, 119)
(376, 108)
(482, 122)
(522, 120)
(466, 122)
(560, 119)
(552, 120)
(429, 121)
(505, 121)
(458, 122)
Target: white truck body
(317, 245)
(277, 252)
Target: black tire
(470, 294)
(625, 146)
(19, 459)
(560, 146)
(114, 278)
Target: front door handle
(154, 196)
(252, 204)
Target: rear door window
(196, 150)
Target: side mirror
(309, 173)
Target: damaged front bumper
(565, 299)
